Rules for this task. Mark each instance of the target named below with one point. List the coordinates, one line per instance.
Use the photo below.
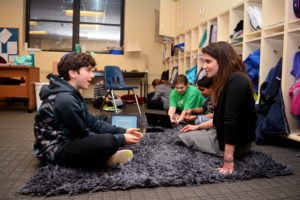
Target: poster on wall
(9, 43)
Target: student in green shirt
(184, 97)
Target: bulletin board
(9, 43)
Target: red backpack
(295, 98)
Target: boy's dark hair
(74, 61)
(205, 82)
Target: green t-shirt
(192, 98)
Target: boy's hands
(190, 118)
(188, 112)
(132, 136)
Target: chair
(114, 80)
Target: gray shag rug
(159, 160)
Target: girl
(232, 95)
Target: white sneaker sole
(120, 157)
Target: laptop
(155, 121)
(125, 120)
(161, 120)
(132, 121)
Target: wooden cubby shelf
(279, 37)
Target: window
(57, 25)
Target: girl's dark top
(234, 115)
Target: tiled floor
(17, 164)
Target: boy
(99, 94)
(205, 112)
(65, 132)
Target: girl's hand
(189, 128)
(228, 167)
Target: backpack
(130, 99)
(296, 6)
(295, 98)
(165, 75)
(296, 65)
(191, 74)
(295, 89)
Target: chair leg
(126, 99)
(137, 102)
(114, 101)
(103, 102)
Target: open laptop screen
(125, 121)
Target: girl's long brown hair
(228, 61)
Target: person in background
(232, 95)
(205, 112)
(184, 97)
(160, 99)
(65, 132)
(99, 94)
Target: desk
(26, 90)
(142, 76)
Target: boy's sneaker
(120, 157)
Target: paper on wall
(5, 35)
(12, 47)
(11, 58)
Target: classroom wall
(196, 11)
(139, 26)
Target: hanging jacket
(270, 110)
(252, 67)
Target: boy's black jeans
(90, 151)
